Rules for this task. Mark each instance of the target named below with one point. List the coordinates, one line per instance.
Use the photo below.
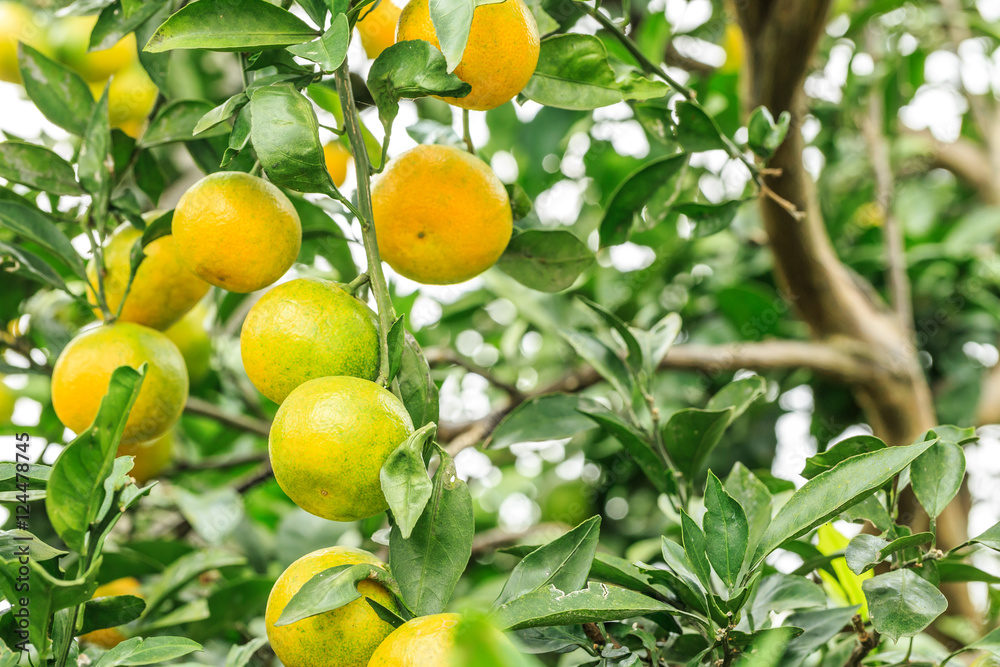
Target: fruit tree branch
(202, 408)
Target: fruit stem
(376, 277)
(466, 134)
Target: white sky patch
(629, 257)
(561, 204)
(505, 166)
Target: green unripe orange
(307, 329)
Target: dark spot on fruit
(323, 492)
(420, 235)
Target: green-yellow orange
(425, 641)
(17, 24)
(329, 441)
(237, 231)
(7, 400)
(151, 458)
(306, 329)
(83, 371)
(70, 39)
(342, 637)
(163, 290)
(190, 337)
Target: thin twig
(867, 641)
(197, 406)
(445, 356)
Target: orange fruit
(499, 57)
(328, 443)
(163, 289)
(151, 458)
(342, 637)
(237, 231)
(732, 42)
(378, 27)
(109, 638)
(70, 38)
(425, 641)
(130, 99)
(190, 337)
(441, 215)
(18, 23)
(337, 159)
(306, 329)
(83, 370)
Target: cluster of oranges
(131, 94)
(441, 217)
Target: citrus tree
(479, 342)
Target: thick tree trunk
(781, 37)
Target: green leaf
(416, 386)
(220, 113)
(138, 651)
(754, 498)
(429, 564)
(230, 25)
(176, 121)
(12, 544)
(726, 531)
(412, 69)
(902, 604)
(990, 538)
(155, 64)
(92, 161)
(111, 612)
(546, 417)
(327, 590)
(316, 9)
(239, 138)
(114, 23)
(478, 643)
(59, 93)
(37, 167)
(866, 551)
(76, 486)
(819, 627)
(764, 136)
(158, 228)
(240, 656)
(602, 358)
(709, 219)
(594, 604)
(936, 476)
(452, 20)
(784, 592)
(695, 547)
(329, 50)
(632, 194)
(636, 446)
(182, 571)
(843, 450)
(33, 225)
(656, 342)
(22, 262)
(738, 395)
(214, 513)
(634, 352)
(396, 339)
(691, 434)
(573, 72)
(547, 260)
(405, 482)
(563, 563)
(285, 135)
(831, 492)
(696, 130)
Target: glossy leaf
(405, 482)
(829, 493)
(113, 23)
(696, 130)
(240, 656)
(864, 552)
(416, 386)
(764, 134)
(230, 25)
(138, 651)
(546, 417)
(573, 72)
(92, 160)
(693, 540)
(177, 121)
(709, 219)
(989, 538)
(784, 592)
(547, 260)
(632, 194)
(33, 225)
(636, 446)
(819, 627)
(902, 604)
(843, 450)
(726, 531)
(220, 113)
(37, 167)
(327, 590)
(19, 261)
(76, 486)
(754, 498)
(936, 476)
(452, 21)
(411, 69)
(429, 564)
(690, 435)
(59, 93)
(329, 50)
(602, 358)
(596, 603)
(285, 135)
(563, 563)
(110, 612)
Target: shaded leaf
(726, 531)
(405, 482)
(632, 194)
(329, 50)
(902, 604)
(59, 93)
(230, 25)
(547, 260)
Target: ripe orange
(131, 97)
(82, 373)
(500, 56)
(237, 231)
(163, 290)
(70, 38)
(441, 215)
(18, 24)
(378, 27)
(328, 443)
(425, 641)
(343, 637)
(190, 337)
(337, 159)
(109, 638)
(151, 458)
(306, 329)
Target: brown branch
(968, 161)
(867, 641)
(202, 408)
(445, 356)
(492, 540)
(878, 150)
